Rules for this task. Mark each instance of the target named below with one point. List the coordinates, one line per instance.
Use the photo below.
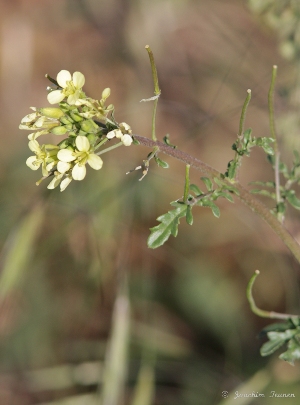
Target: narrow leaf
(208, 183)
(215, 209)
(161, 162)
(195, 189)
(189, 215)
(292, 199)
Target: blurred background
(90, 315)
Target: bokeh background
(90, 315)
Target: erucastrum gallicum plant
(88, 125)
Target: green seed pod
(59, 130)
(51, 112)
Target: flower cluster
(83, 120)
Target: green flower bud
(51, 112)
(66, 120)
(105, 93)
(59, 130)
(92, 138)
(89, 126)
(76, 117)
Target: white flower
(115, 133)
(42, 123)
(44, 155)
(71, 87)
(80, 156)
(126, 139)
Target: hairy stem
(257, 206)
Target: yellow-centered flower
(82, 155)
(71, 87)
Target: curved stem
(257, 206)
(261, 312)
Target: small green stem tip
(243, 114)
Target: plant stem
(187, 183)
(110, 148)
(243, 114)
(271, 105)
(156, 89)
(257, 206)
(274, 136)
(260, 312)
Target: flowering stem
(257, 206)
(110, 148)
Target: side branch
(257, 206)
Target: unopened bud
(92, 138)
(105, 93)
(76, 117)
(89, 126)
(125, 127)
(66, 120)
(59, 130)
(51, 112)
(127, 140)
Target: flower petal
(31, 162)
(55, 96)
(63, 77)
(55, 182)
(34, 146)
(63, 167)
(29, 118)
(78, 80)
(82, 143)
(95, 161)
(73, 98)
(118, 133)
(110, 134)
(64, 184)
(79, 172)
(66, 155)
(127, 140)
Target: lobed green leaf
(168, 226)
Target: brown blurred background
(67, 256)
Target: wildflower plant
(87, 126)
